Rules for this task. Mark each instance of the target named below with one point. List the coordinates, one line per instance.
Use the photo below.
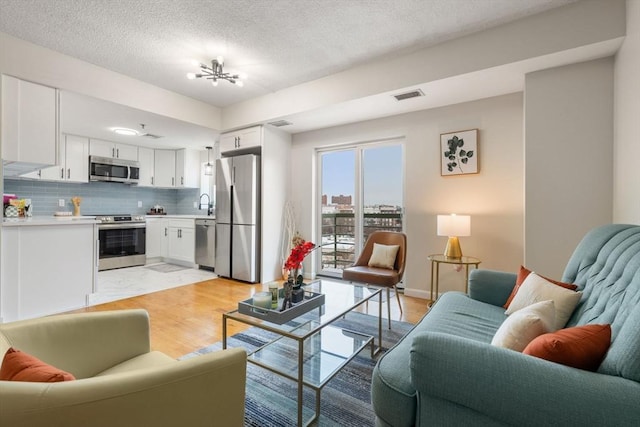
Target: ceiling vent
(280, 123)
(407, 95)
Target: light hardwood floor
(189, 317)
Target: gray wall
(101, 197)
(568, 160)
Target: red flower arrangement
(301, 250)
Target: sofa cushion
(581, 347)
(146, 360)
(622, 358)
(519, 329)
(536, 288)
(522, 275)
(20, 366)
(392, 394)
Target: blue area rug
(345, 400)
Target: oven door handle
(121, 226)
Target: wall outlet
(195, 205)
(139, 203)
(61, 203)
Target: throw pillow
(20, 366)
(523, 326)
(522, 274)
(536, 288)
(581, 347)
(383, 256)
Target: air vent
(280, 123)
(152, 136)
(407, 95)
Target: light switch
(61, 202)
(139, 203)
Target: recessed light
(125, 131)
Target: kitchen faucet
(209, 205)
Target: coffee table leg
(300, 377)
(224, 331)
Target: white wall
(493, 197)
(568, 160)
(626, 178)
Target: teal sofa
(445, 372)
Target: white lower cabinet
(157, 237)
(172, 240)
(46, 269)
(182, 241)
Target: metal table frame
(369, 340)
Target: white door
(77, 159)
(146, 158)
(165, 168)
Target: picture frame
(459, 152)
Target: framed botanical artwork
(459, 152)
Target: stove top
(120, 218)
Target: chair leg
(398, 298)
(389, 307)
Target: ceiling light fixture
(208, 168)
(216, 72)
(125, 131)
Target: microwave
(113, 170)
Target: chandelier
(215, 73)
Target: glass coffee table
(322, 348)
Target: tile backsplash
(102, 197)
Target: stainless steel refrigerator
(238, 217)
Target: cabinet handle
(113, 152)
(165, 232)
(39, 173)
(69, 173)
(173, 181)
(61, 173)
(182, 180)
(117, 152)
(151, 180)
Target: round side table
(437, 259)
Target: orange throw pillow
(582, 347)
(20, 366)
(522, 274)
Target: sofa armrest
(201, 391)
(517, 389)
(82, 343)
(490, 286)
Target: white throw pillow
(524, 325)
(383, 256)
(536, 288)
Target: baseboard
(417, 293)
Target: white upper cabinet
(187, 168)
(73, 165)
(241, 139)
(165, 168)
(146, 157)
(114, 150)
(29, 125)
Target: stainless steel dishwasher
(205, 243)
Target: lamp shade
(454, 225)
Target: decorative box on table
(311, 300)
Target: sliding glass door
(361, 190)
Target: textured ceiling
(278, 43)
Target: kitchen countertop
(183, 216)
(49, 220)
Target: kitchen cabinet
(187, 168)
(73, 165)
(182, 241)
(146, 157)
(241, 139)
(30, 123)
(46, 269)
(157, 239)
(165, 168)
(114, 150)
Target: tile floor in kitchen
(122, 283)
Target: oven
(122, 241)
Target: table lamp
(454, 226)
